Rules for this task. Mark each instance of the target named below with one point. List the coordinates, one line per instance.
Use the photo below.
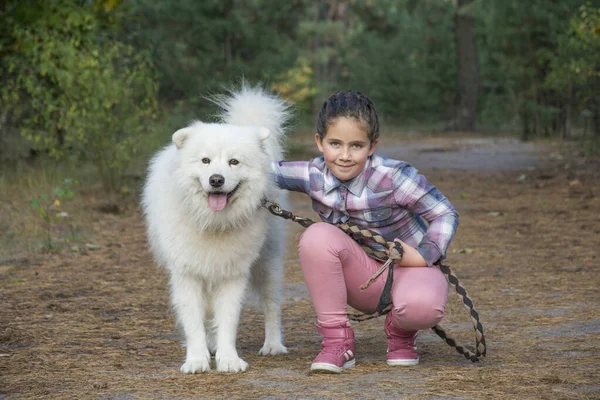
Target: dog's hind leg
(189, 304)
(211, 338)
(267, 280)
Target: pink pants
(335, 267)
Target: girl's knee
(417, 315)
(317, 237)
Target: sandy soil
(95, 323)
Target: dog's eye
(233, 161)
(206, 160)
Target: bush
(75, 90)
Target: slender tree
(465, 114)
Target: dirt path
(472, 154)
(96, 323)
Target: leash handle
(376, 275)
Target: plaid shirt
(388, 196)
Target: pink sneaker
(401, 344)
(338, 349)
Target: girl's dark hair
(351, 105)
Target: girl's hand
(395, 250)
(410, 257)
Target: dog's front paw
(231, 364)
(195, 365)
(273, 349)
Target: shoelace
(336, 348)
(408, 345)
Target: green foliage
(297, 85)
(576, 69)
(520, 62)
(48, 207)
(76, 91)
(578, 50)
(403, 58)
(83, 79)
(199, 47)
(326, 40)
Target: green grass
(24, 229)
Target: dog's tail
(252, 105)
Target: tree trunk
(526, 132)
(536, 112)
(595, 124)
(595, 106)
(568, 116)
(468, 69)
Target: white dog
(202, 204)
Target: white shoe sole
(330, 368)
(394, 363)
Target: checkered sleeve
(413, 191)
(292, 175)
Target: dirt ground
(96, 323)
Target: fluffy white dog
(202, 204)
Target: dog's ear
(181, 136)
(263, 133)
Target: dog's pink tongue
(217, 201)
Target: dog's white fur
(213, 256)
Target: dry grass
(96, 323)
(25, 231)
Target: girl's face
(345, 147)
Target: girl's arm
(422, 198)
(292, 175)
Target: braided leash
(396, 252)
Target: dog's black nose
(216, 180)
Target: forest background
(109, 80)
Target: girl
(350, 183)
